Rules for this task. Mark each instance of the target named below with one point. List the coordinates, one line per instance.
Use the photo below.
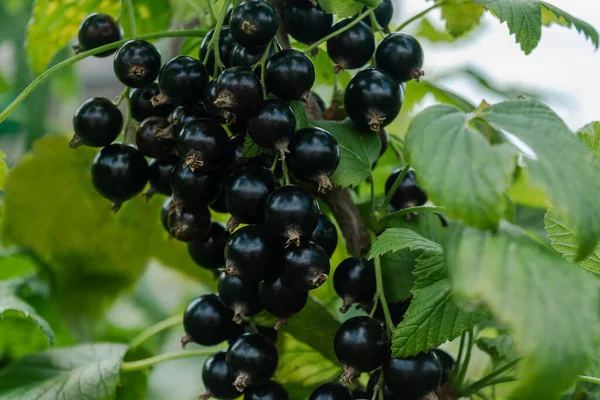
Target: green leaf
(552, 14)
(394, 239)
(89, 371)
(500, 348)
(358, 151)
(397, 272)
(342, 8)
(461, 17)
(416, 92)
(3, 170)
(297, 107)
(4, 85)
(150, 16)
(590, 136)
(428, 31)
(252, 149)
(535, 292)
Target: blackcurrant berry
(217, 379)
(195, 189)
(447, 363)
(331, 391)
(202, 144)
(305, 267)
(210, 95)
(314, 155)
(397, 311)
(241, 295)
(220, 205)
(290, 75)
(272, 124)
(305, 22)
(98, 30)
(238, 89)
(281, 301)
(319, 100)
(137, 63)
(184, 114)
(385, 140)
(387, 392)
(153, 138)
(226, 45)
(207, 321)
(267, 332)
(159, 175)
(166, 209)
(384, 13)
(401, 56)
(354, 282)
(373, 99)
(235, 156)
(325, 234)
(248, 57)
(246, 193)
(97, 123)
(119, 172)
(250, 252)
(292, 212)
(269, 391)
(353, 48)
(252, 359)
(413, 377)
(189, 225)
(182, 81)
(408, 194)
(141, 104)
(361, 345)
(254, 23)
(209, 252)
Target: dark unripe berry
(353, 48)
(226, 45)
(305, 267)
(250, 252)
(252, 359)
(159, 175)
(165, 211)
(314, 155)
(141, 104)
(217, 379)
(202, 144)
(209, 252)
(195, 189)
(272, 124)
(408, 194)
(98, 30)
(235, 156)
(401, 56)
(354, 282)
(292, 212)
(290, 75)
(361, 345)
(307, 23)
(189, 225)
(246, 193)
(240, 295)
(447, 363)
(281, 301)
(325, 234)
(269, 391)
(153, 138)
(238, 90)
(182, 81)
(373, 99)
(247, 57)
(254, 23)
(119, 172)
(137, 63)
(413, 377)
(184, 114)
(331, 391)
(97, 123)
(207, 321)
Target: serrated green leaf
(461, 17)
(341, 8)
(590, 136)
(297, 107)
(150, 16)
(500, 348)
(394, 239)
(416, 92)
(518, 279)
(252, 149)
(552, 14)
(397, 272)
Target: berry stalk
(215, 38)
(148, 362)
(155, 329)
(393, 189)
(420, 15)
(380, 294)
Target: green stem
(286, 174)
(589, 379)
(148, 362)
(127, 115)
(132, 18)
(341, 30)
(461, 347)
(419, 15)
(409, 210)
(462, 373)
(215, 39)
(489, 378)
(211, 10)
(372, 193)
(393, 189)
(381, 294)
(154, 329)
(274, 165)
(481, 395)
(262, 63)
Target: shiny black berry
(353, 48)
(252, 359)
(217, 379)
(119, 172)
(413, 377)
(305, 267)
(141, 104)
(373, 99)
(305, 22)
(331, 391)
(97, 123)
(202, 144)
(241, 295)
(219, 205)
(238, 90)
(246, 193)
(325, 234)
(384, 13)
(269, 391)
(290, 75)
(98, 30)
(408, 194)
(397, 311)
(166, 209)
(207, 321)
(226, 45)
(361, 345)
(159, 175)
(314, 155)
(153, 138)
(210, 95)
(209, 252)
(281, 301)
(354, 282)
(184, 114)
(319, 100)
(182, 81)
(387, 392)
(401, 56)
(195, 189)
(248, 57)
(137, 63)
(254, 23)
(235, 156)
(447, 363)
(272, 124)
(188, 225)
(250, 252)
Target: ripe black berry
(252, 359)
(238, 89)
(387, 392)
(219, 205)
(305, 267)
(413, 377)
(184, 114)
(202, 144)
(247, 57)
(269, 391)
(236, 159)
(373, 99)
(401, 56)
(188, 225)
(397, 311)
(210, 95)
(226, 45)
(207, 321)
(353, 48)
(182, 81)
(98, 30)
(314, 155)
(241, 295)
(272, 124)
(217, 379)
(166, 209)
(307, 23)
(447, 363)
(384, 13)
(331, 391)
(137, 63)
(119, 172)
(290, 75)
(361, 345)
(325, 234)
(97, 123)
(153, 138)
(254, 23)
(141, 103)
(292, 212)
(249, 252)
(195, 189)
(159, 175)
(354, 282)
(281, 301)
(209, 252)
(408, 194)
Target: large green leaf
(461, 16)
(539, 295)
(150, 16)
(346, 8)
(590, 136)
(428, 31)
(3, 170)
(397, 272)
(552, 14)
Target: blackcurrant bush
(238, 89)
(226, 45)
(331, 391)
(195, 189)
(408, 194)
(281, 301)
(241, 295)
(220, 205)
(252, 359)
(189, 225)
(361, 345)
(167, 208)
(353, 48)
(269, 391)
(254, 23)
(119, 172)
(413, 377)
(314, 155)
(137, 63)
(209, 252)
(98, 30)
(141, 104)
(153, 138)
(292, 212)
(305, 267)
(182, 81)
(247, 57)
(305, 22)
(235, 156)
(207, 321)
(217, 379)
(401, 56)
(373, 99)
(184, 114)
(272, 124)
(159, 175)
(290, 75)
(202, 144)
(97, 123)
(325, 234)
(354, 282)
(250, 252)
(447, 363)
